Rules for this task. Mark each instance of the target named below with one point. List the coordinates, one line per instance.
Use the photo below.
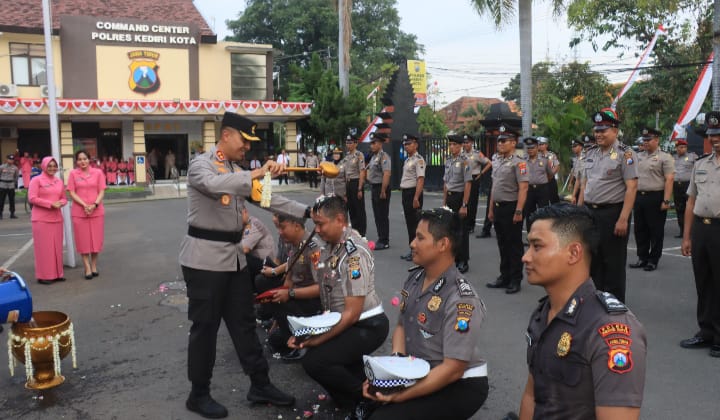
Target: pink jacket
(44, 191)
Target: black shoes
(462, 267)
(512, 289)
(293, 355)
(407, 257)
(206, 406)
(45, 282)
(483, 235)
(363, 410)
(60, 279)
(88, 276)
(499, 283)
(695, 342)
(638, 264)
(381, 245)
(95, 274)
(12, 216)
(268, 393)
(715, 350)
(650, 267)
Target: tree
(430, 123)
(473, 115)
(568, 121)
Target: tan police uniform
(683, 170)
(337, 185)
(477, 162)
(554, 162)
(379, 163)
(539, 170)
(312, 161)
(354, 164)
(413, 169)
(457, 175)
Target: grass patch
(108, 192)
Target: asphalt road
(131, 328)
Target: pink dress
(47, 223)
(111, 171)
(26, 164)
(89, 229)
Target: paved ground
(132, 332)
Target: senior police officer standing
(337, 185)
(412, 184)
(507, 200)
(701, 240)
(539, 171)
(609, 186)
(354, 163)
(586, 350)
(378, 175)
(554, 162)
(479, 165)
(456, 193)
(684, 163)
(214, 266)
(655, 170)
(439, 322)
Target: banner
(418, 81)
(696, 99)
(643, 58)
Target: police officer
(345, 271)
(456, 193)
(577, 165)
(439, 322)
(354, 163)
(507, 201)
(337, 185)
(609, 186)
(378, 175)
(312, 161)
(543, 144)
(479, 165)
(9, 174)
(214, 265)
(701, 240)
(586, 350)
(684, 163)
(257, 243)
(655, 170)
(539, 171)
(411, 184)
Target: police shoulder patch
(464, 288)
(611, 303)
(350, 247)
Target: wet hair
(330, 206)
(570, 223)
(444, 223)
(286, 218)
(77, 154)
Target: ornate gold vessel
(44, 341)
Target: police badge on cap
(245, 126)
(605, 118)
(712, 120)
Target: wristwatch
(666, 202)
(291, 293)
(464, 205)
(272, 271)
(518, 212)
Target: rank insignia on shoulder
(563, 345)
(462, 325)
(464, 287)
(611, 303)
(350, 246)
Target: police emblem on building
(144, 71)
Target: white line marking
(18, 254)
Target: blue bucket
(15, 299)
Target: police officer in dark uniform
(479, 165)
(655, 170)
(439, 322)
(378, 175)
(701, 240)
(586, 350)
(345, 271)
(609, 186)
(510, 187)
(354, 163)
(214, 266)
(684, 163)
(456, 193)
(539, 171)
(411, 185)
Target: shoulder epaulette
(350, 246)
(704, 156)
(611, 303)
(624, 147)
(464, 288)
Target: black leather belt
(505, 203)
(603, 206)
(682, 182)
(708, 220)
(650, 192)
(215, 235)
(537, 185)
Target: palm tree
(501, 11)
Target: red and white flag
(373, 92)
(643, 58)
(696, 99)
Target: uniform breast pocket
(611, 169)
(701, 178)
(563, 370)
(430, 324)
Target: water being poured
(32, 323)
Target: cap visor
(602, 127)
(712, 131)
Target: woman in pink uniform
(111, 172)
(26, 164)
(87, 189)
(131, 171)
(47, 195)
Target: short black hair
(570, 222)
(77, 154)
(287, 218)
(331, 205)
(444, 223)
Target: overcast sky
(464, 52)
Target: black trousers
(356, 206)
(608, 264)
(454, 201)
(680, 198)
(538, 195)
(10, 193)
(215, 296)
(553, 191)
(381, 212)
(412, 215)
(706, 267)
(487, 224)
(473, 202)
(337, 364)
(649, 225)
(313, 179)
(459, 400)
(509, 239)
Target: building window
(248, 76)
(28, 64)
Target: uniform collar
(217, 154)
(569, 313)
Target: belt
(537, 185)
(215, 235)
(650, 192)
(603, 206)
(505, 203)
(476, 372)
(708, 220)
(371, 313)
(455, 192)
(682, 182)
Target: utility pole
(344, 37)
(716, 59)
